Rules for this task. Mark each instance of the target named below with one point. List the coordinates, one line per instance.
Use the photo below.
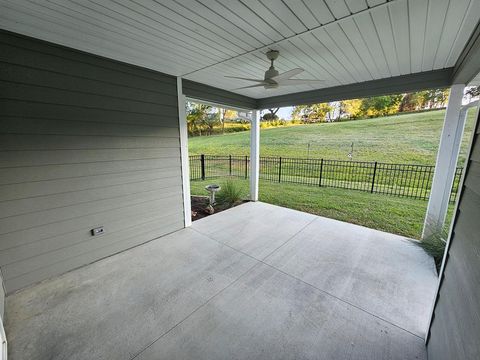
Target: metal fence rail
(406, 180)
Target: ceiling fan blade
(242, 78)
(250, 86)
(299, 82)
(287, 74)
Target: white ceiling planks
(383, 26)
(369, 33)
(339, 41)
(320, 10)
(469, 22)
(437, 10)
(356, 5)
(353, 33)
(348, 51)
(303, 13)
(288, 16)
(398, 13)
(455, 16)
(417, 12)
(339, 9)
(132, 30)
(59, 30)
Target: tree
(311, 113)
(380, 105)
(473, 91)
(434, 98)
(224, 115)
(410, 102)
(352, 108)
(210, 121)
(196, 117)
(271, 115)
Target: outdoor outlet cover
(98, 231)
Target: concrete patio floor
(254, 282)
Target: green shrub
(230, 193)
(434, 245)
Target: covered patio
(98, 255)
(256, 281)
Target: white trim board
(182, 121)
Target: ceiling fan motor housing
(272, 55)
(271, 73)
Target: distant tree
(380, 105)
(226, 114)
(352, 108)
(410, 102)
(434, 98)
(271, 115)
(311, 113)
(197, 117)
(473, 91)
(210, 121)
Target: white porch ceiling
(339, 41)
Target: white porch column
(254, 154)
(447, 156)
(185, 163)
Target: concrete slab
(114, 308)
(270, 315)
(254, 228)
(384, 274)
(193, 297)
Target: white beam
(446, 164)
(254, 154)
(182, 122)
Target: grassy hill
(408, 138)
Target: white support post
(446, 164)
(182, 122)
(254, 154)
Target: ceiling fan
(273, 79)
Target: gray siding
(84, 142)
(455, 329)
(212, 94)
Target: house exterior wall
(84, 142)
(456, 318)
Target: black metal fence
(413, 181)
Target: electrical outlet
(98, 231)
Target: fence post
(280, 170)
(230, 165)
(202, 165)
(246, 166)
(373, 178)
(321, 171)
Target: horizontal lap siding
(84, 142)
(456, 322)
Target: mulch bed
(200, 203)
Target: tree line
(371, 107)
(205, 119)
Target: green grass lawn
(396, 215)
(408, 138)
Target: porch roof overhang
(360, 48)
